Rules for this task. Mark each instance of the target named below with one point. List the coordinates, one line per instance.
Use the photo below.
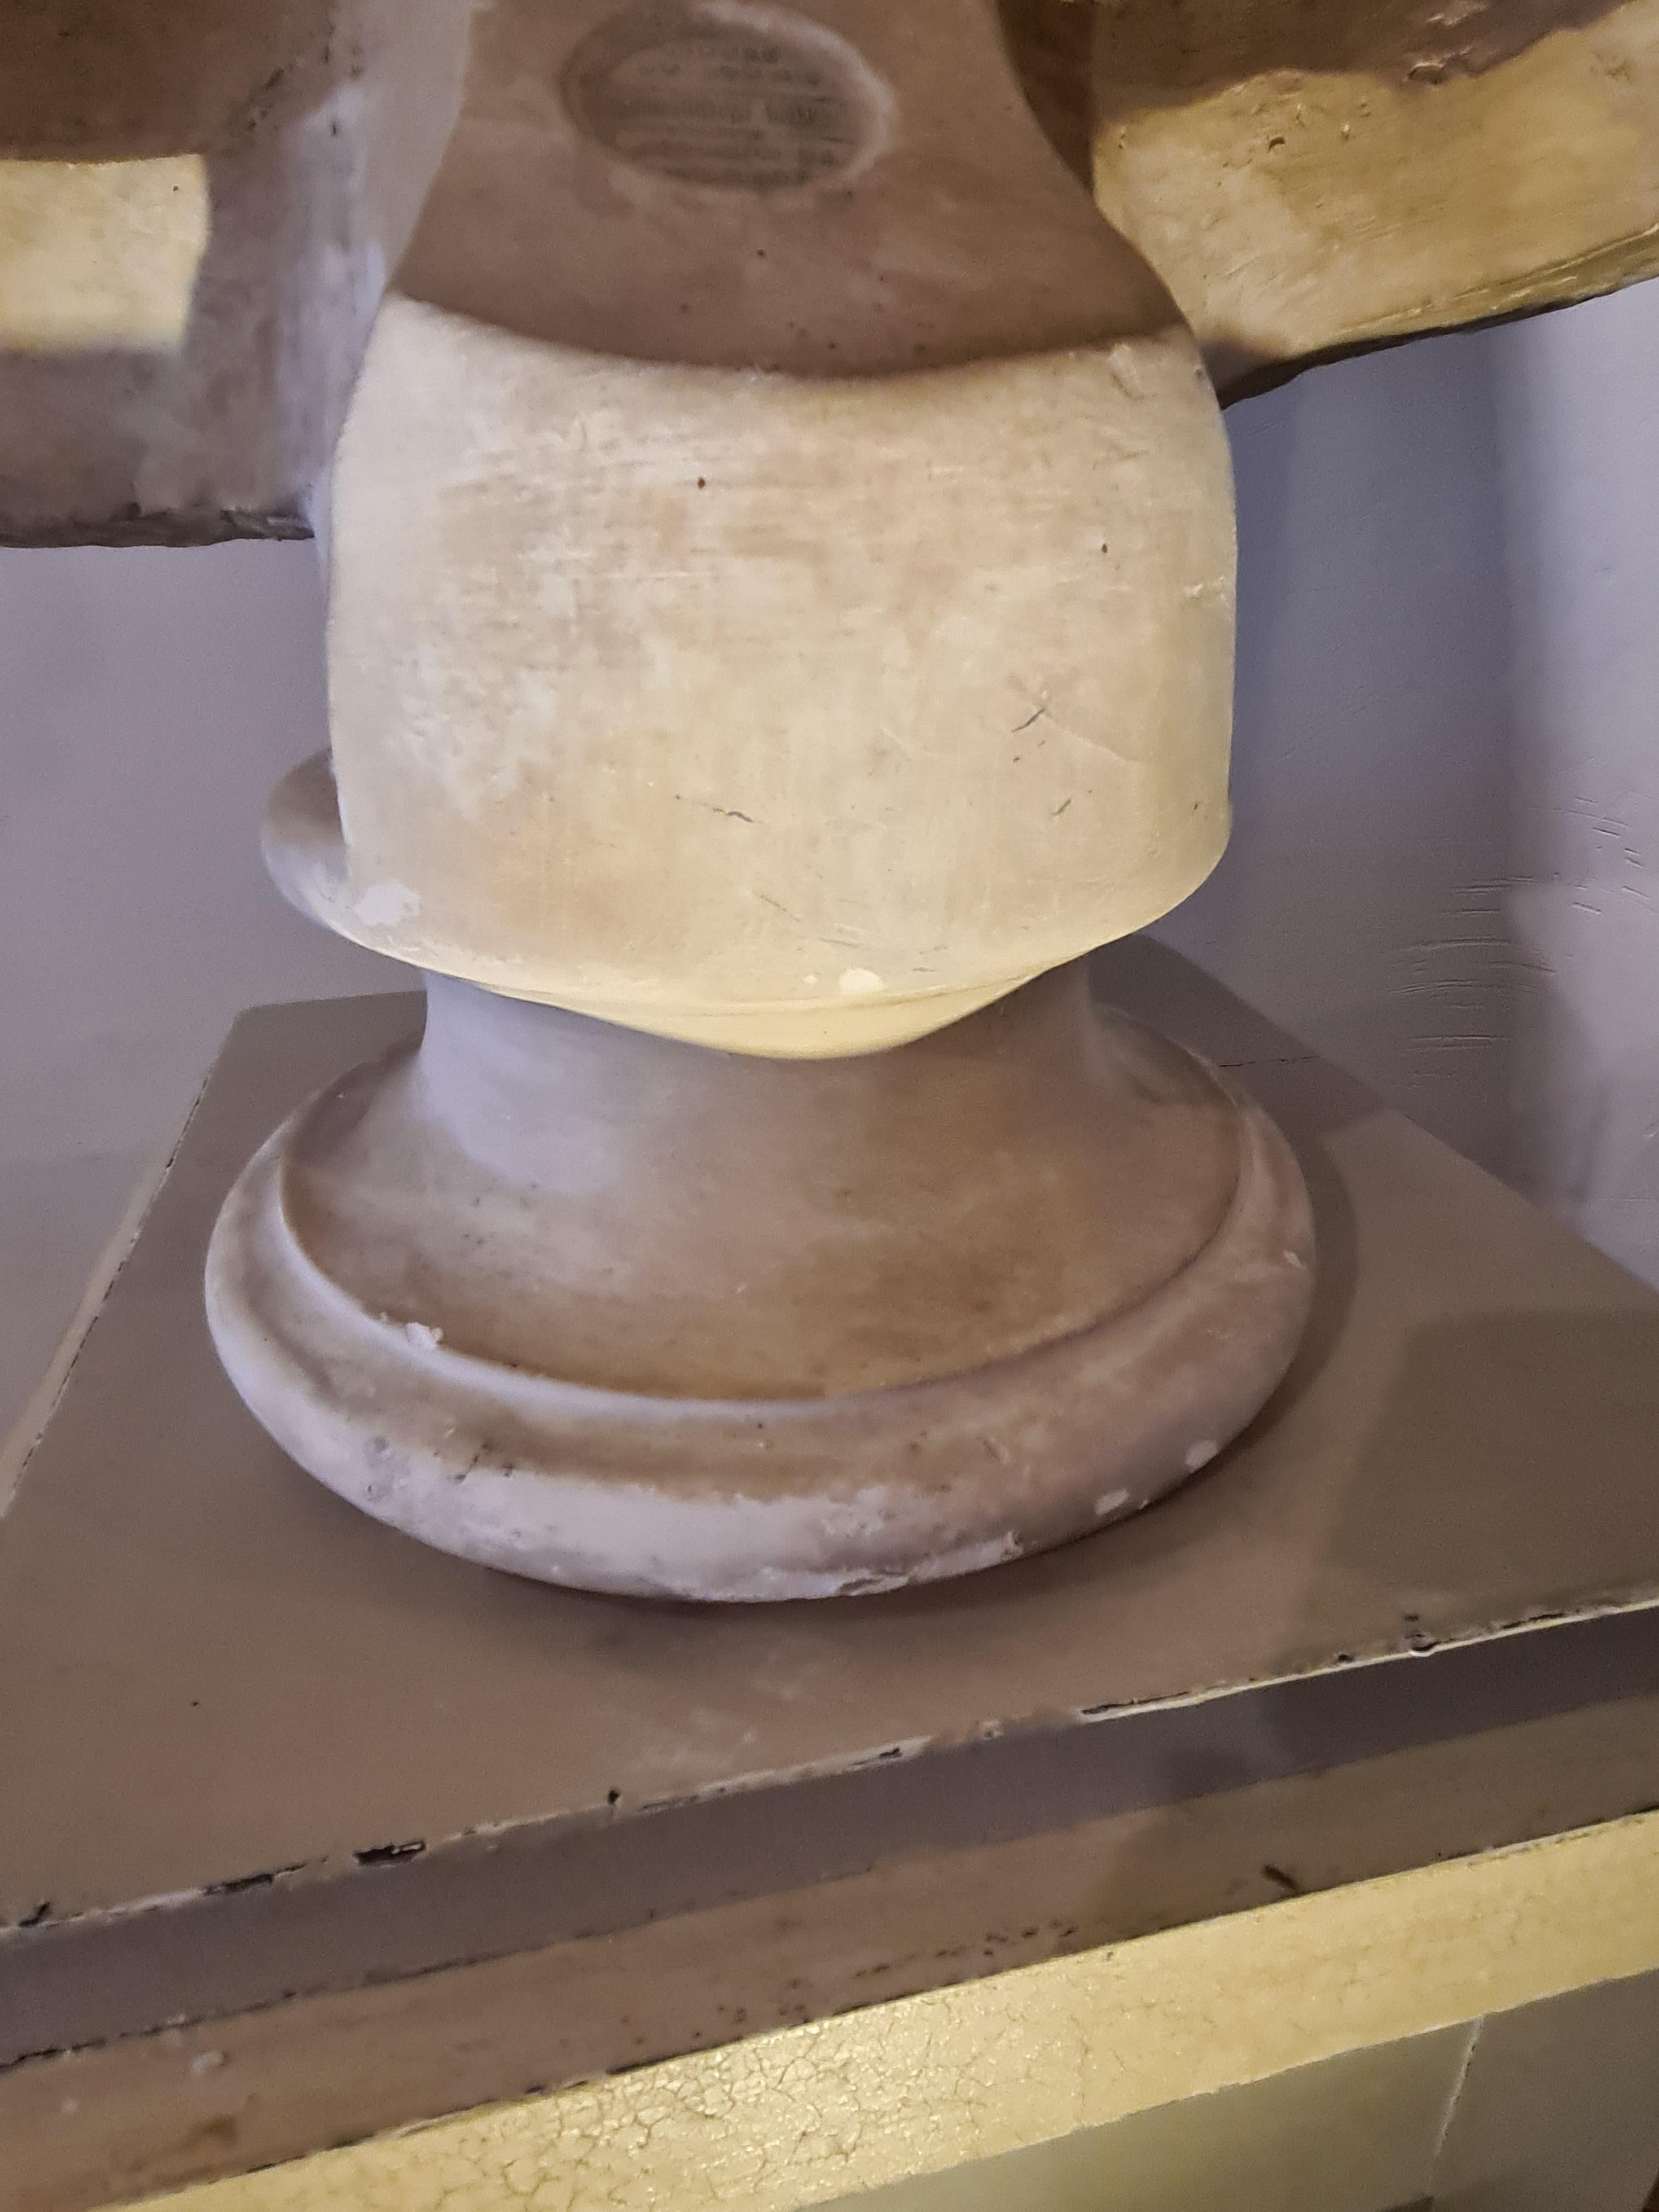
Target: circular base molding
(609, 1311)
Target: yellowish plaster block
(100, 254)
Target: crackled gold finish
(937, 2083)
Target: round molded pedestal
(608, 1309)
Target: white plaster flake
(383, 906)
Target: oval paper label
(717, 94)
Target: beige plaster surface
(784, 615)
(100, 253)
(1312, 177)
(932, 223)
(788, 716)
(1299, 181)
(174, 363)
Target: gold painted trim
(927, 2083)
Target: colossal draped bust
(779, 542)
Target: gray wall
(1446, 779)
(1446, 766)
(1361, 900)
(1580, 408)
(147, 702)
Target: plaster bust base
(605, 1308)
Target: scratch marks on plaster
(1126, 371)
(709, 806)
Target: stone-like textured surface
(605, 1310)
(316, 125)
(783, 613)
(788, 716)
(1307, 177)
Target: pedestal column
(780, 619)
(615, 1310)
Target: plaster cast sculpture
(1311, 175)
(843, 641)
(781, 572)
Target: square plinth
(381, 1834)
